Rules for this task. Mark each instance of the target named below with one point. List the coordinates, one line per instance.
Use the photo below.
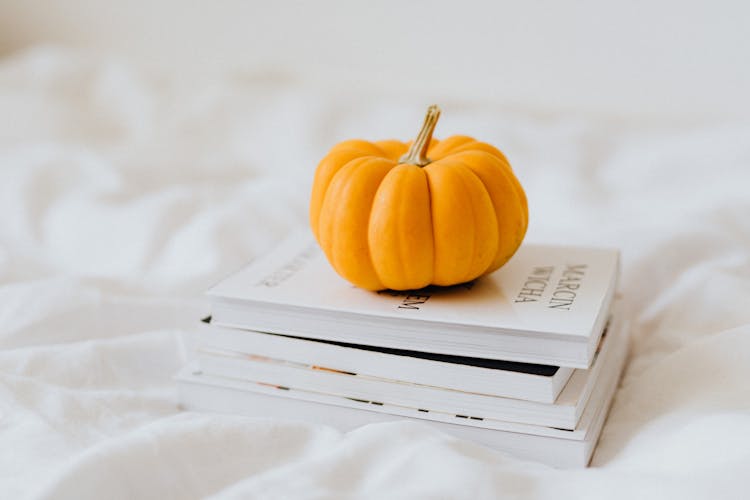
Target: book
(532, 382)
(299, 377)
(557, 447)
(563, 413)
(547, 305)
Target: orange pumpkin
(402, 216)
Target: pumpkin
(402, 216)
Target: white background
(125, 193)
(667, 58)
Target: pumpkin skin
(384, 223)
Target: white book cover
(548, 304)
(557, 447)
(541, 383)
(202, 393)
(563, 413)
(599, 390)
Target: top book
(547, 305)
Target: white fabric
(124, 195)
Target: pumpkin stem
(417, 154)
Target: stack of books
(525, 360)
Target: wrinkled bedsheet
(124, 193)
